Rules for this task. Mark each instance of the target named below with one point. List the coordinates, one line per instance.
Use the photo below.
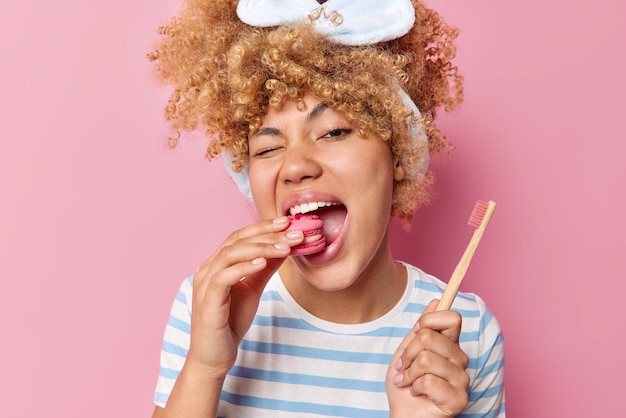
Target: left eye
(337, 132)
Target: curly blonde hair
(227, 74)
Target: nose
(300, 163)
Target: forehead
(307, 110)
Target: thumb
(257, 281)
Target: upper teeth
(309, 207)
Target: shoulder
(184, 295)
(430, 287)
(476, 315)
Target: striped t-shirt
(292, 364)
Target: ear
(398, 170)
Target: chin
(332, 277)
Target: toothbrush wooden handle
(454, 284)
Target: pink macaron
(313, 228)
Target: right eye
(265, 152)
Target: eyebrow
(316, 111)
(310, 117)
(267, 131)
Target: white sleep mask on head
(347, 22)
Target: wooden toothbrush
(478, 219)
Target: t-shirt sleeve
(486, 391)
(175, 343)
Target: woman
(317, 109)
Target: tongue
(333, 217)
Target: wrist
(203, 372)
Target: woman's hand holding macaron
(227, 288)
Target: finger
(257, 281)
(429, 362)
(398, 363)
(215, 293)
(450, 399)
(259, 228)
(269, 245)
(245, 297)
(432, 305)
(429, 340)
(447, 322)
(232, 263)
(437, 332)
(430, 352)
(292, 238)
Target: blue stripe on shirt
(436, 288)
(490, 414)
(318, 353)
(307, 379)
(174, 349)
(169, 373)
(431, 287)
(477, 363)
(490, 368)
(161, 398)
(269, 295)
(304, 407)
(179, 324)
(180, 297)
(488, 393)
(419, 308)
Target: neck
(376, 290)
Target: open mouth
(332, 213)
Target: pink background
(100, 220)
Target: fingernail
(280, 220)
(257, 261)
(398, 364)
(416, 327)
(397, 378)
(281, 246)
(294, 234)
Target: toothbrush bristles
(478, 213)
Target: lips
(327, 207)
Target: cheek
(374, 168)
(263, 187)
